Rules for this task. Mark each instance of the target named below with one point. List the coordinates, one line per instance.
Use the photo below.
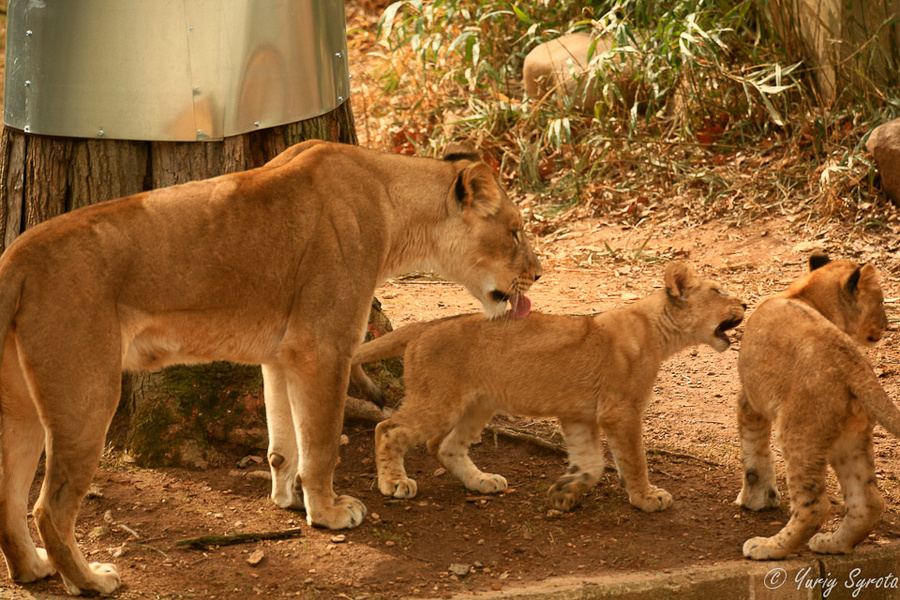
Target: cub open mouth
(725, 326)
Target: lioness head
(847, 294)
(700, 308)
(485, 229)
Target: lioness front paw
(763, 548)
(825, 543)
(346, 513)
(656, 499)
(35, 570)
(488, 483)
(104, 581)
(398, 488)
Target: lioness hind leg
(21, 444)
(759, 490)
(586, 464)
(809, 502)
(453, 451)
(74, 446)
(854, 463)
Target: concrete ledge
(866, 574)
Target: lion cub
(799, 368)
(595, 374)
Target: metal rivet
(27, 82)
(27, 129)
(337, 54)
(199, 132)
(29, 32)
(256, 123)
(340, 98)
(196, 89)
(191, 28)
(100, 133)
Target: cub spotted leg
(283, 454)
(809, 502)
(759, 490)
(316, 389)
(21, 444)
(453, 451)
(586, 464)
(627, 445)
(854, 463)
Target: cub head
(700, 308)
(482, 242)
(846, 293)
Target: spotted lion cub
(800, 369)
(595, 374)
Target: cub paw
(763, 548)
(566, 492)
(347, 513)
(759, 497)
(656, 499)
(400, 488)
(489, 484)
(825, 543)
(104, 580)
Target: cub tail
(389, 345)
(878, 404)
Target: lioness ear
(476, 189)
(460, 151)
(818, 259)
(679, 277)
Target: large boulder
(884, 144)
(561, 66)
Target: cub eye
(517, 235)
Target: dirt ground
(446, 540)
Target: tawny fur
(274, 266)
(595, 374)
(800, 369)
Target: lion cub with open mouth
(595, 374)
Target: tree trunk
(172, 416)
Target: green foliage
(682, 81)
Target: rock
(562, 63)
(884, 144)
(257, 557)
(460, 570)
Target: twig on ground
(658, 452)
(204, 541)
(527, 437)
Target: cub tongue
(521, 306)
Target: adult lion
(274, 266)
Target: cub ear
(818, 259)
(852, 283)
(679, 277)
(476, 189)
(460, 151)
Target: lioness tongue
(521, 306)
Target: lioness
(595, 374)
(274, 266)
(799, 368)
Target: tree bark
(172, 416)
